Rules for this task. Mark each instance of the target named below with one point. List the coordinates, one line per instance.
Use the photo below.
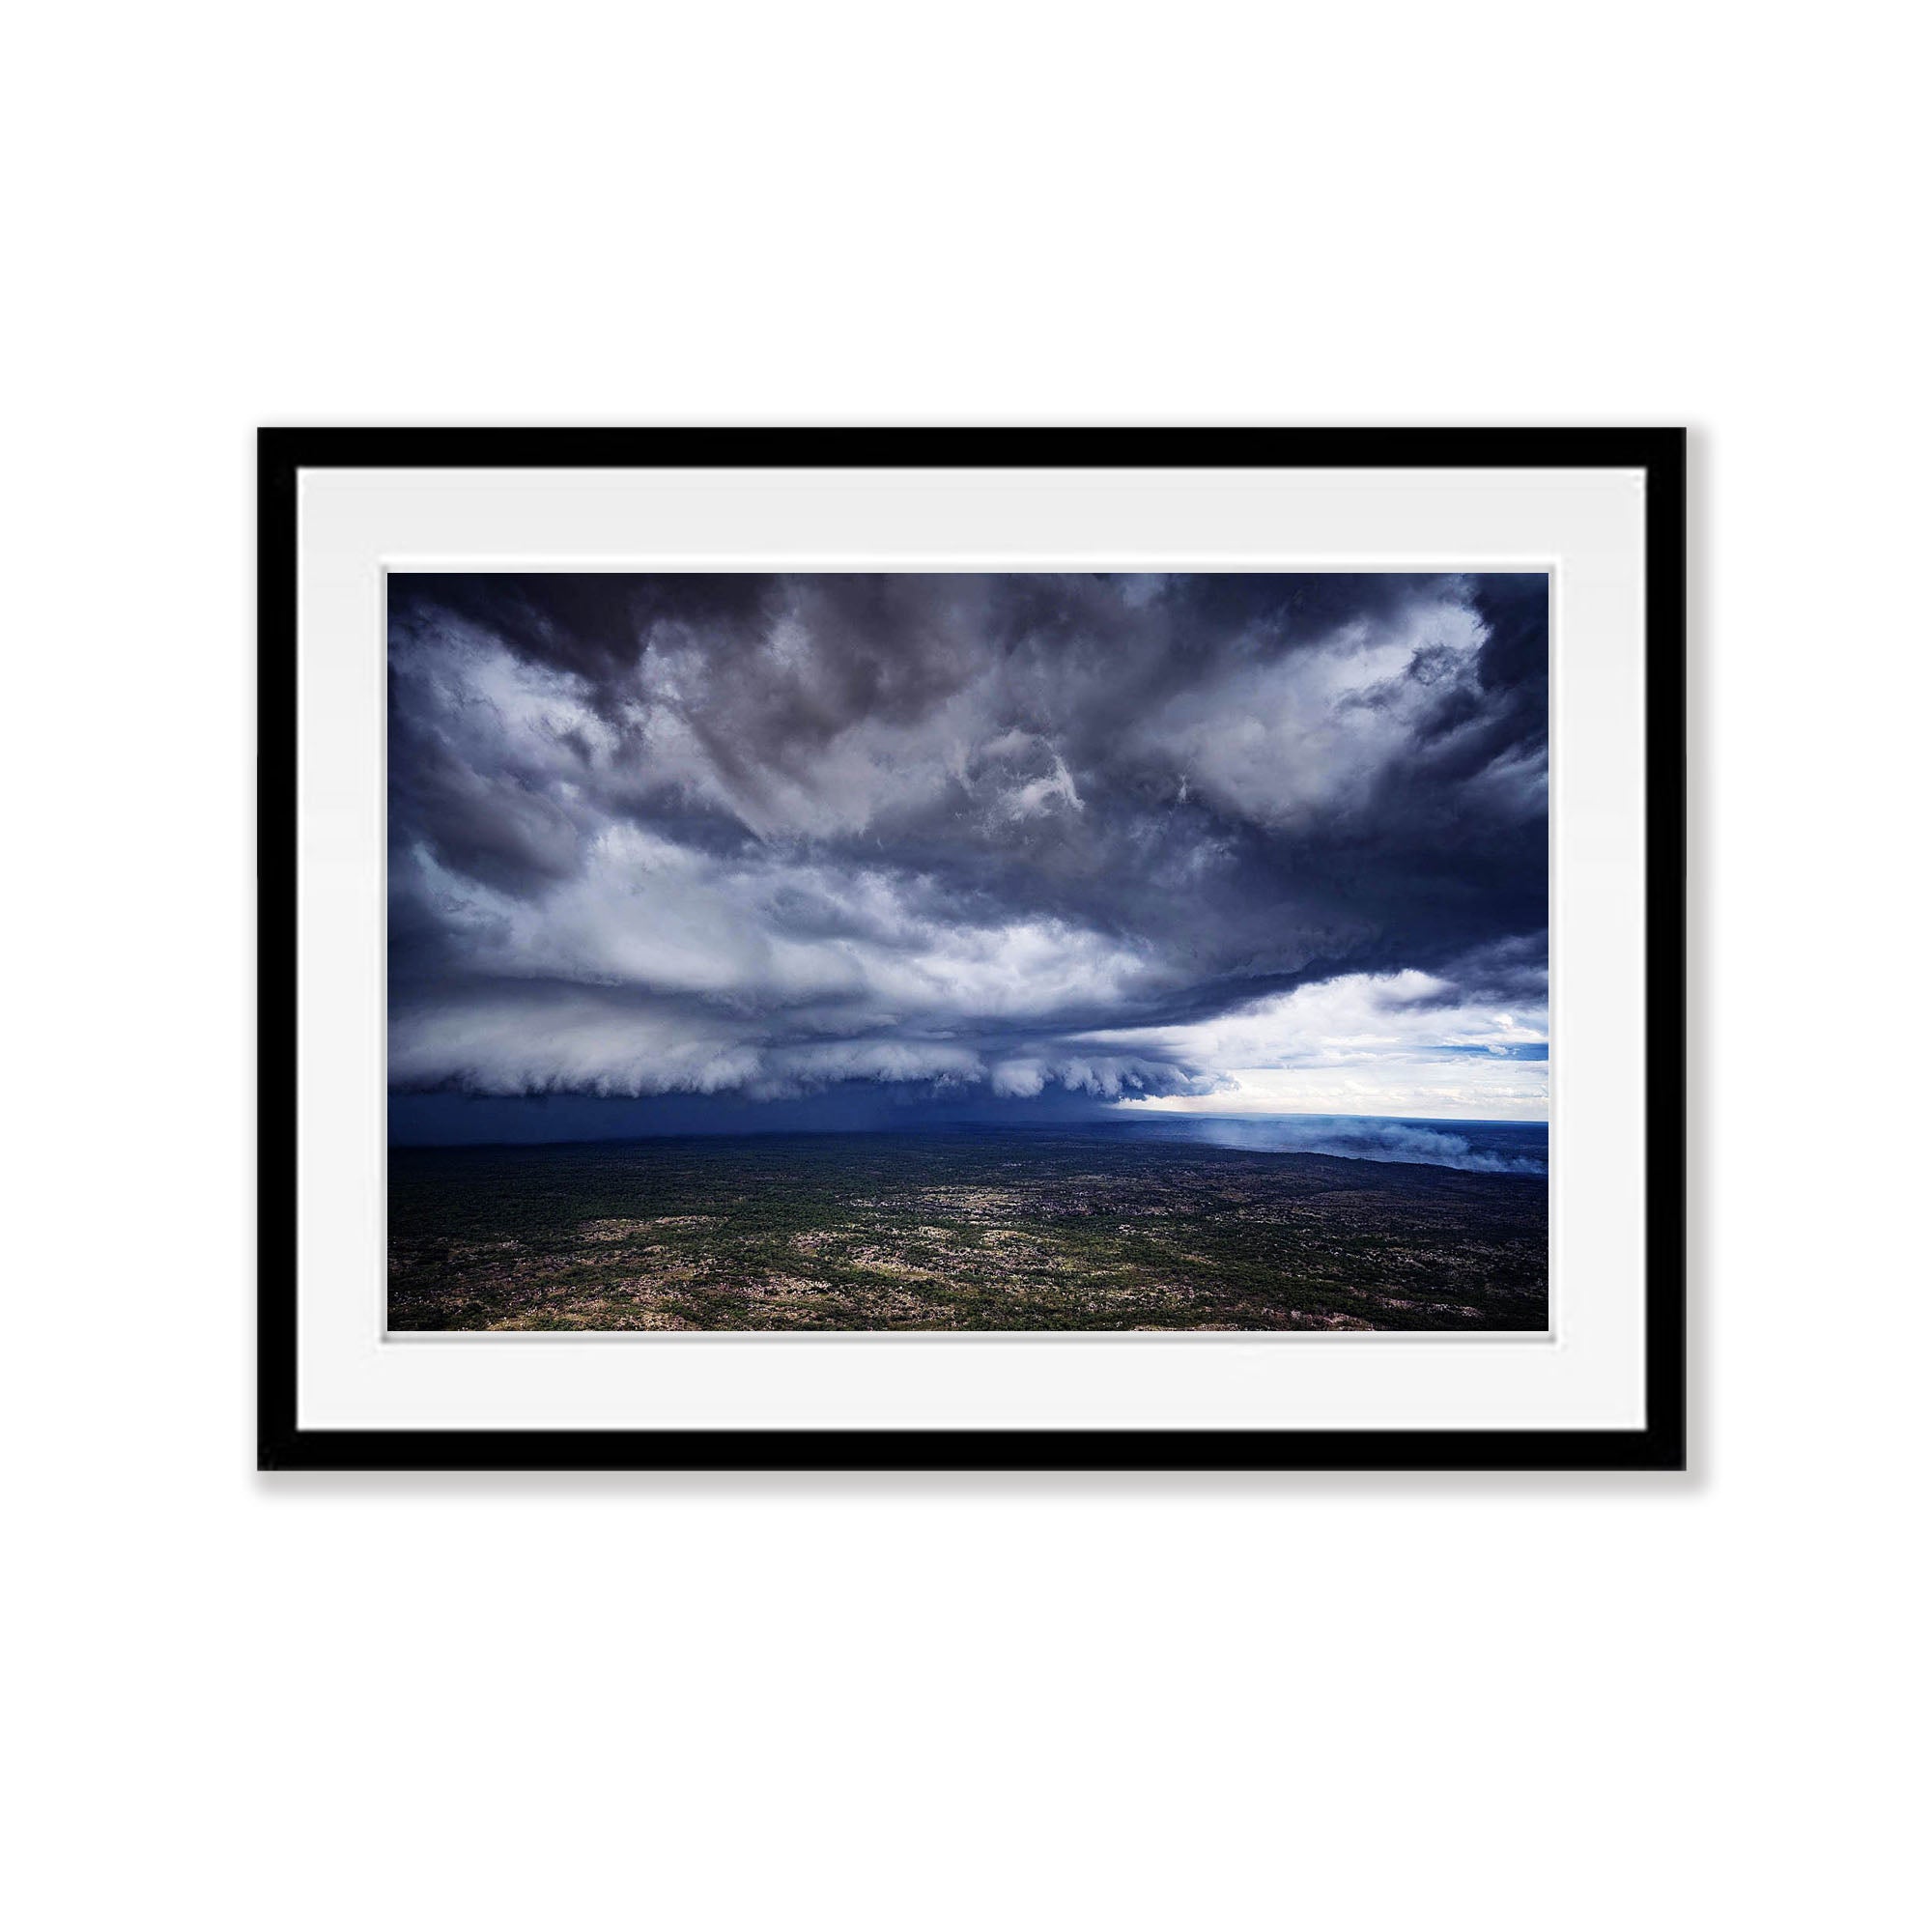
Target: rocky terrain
(973, 1229)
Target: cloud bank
(1211, 841)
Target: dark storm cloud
(762, 836)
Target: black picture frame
(1661, 1444)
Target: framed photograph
(971, 948)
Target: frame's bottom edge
(778, 1451)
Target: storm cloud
(1163, 839)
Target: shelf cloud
(1215, 841)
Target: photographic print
(951, 954)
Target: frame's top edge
(290, 447)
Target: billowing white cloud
(1363, 1043)
(762, 929)
(1290, 737)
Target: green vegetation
(968, 1230)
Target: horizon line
(941, 1126)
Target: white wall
(1336, 1704)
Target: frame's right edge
(1667, 792)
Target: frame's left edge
(279, 1442)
